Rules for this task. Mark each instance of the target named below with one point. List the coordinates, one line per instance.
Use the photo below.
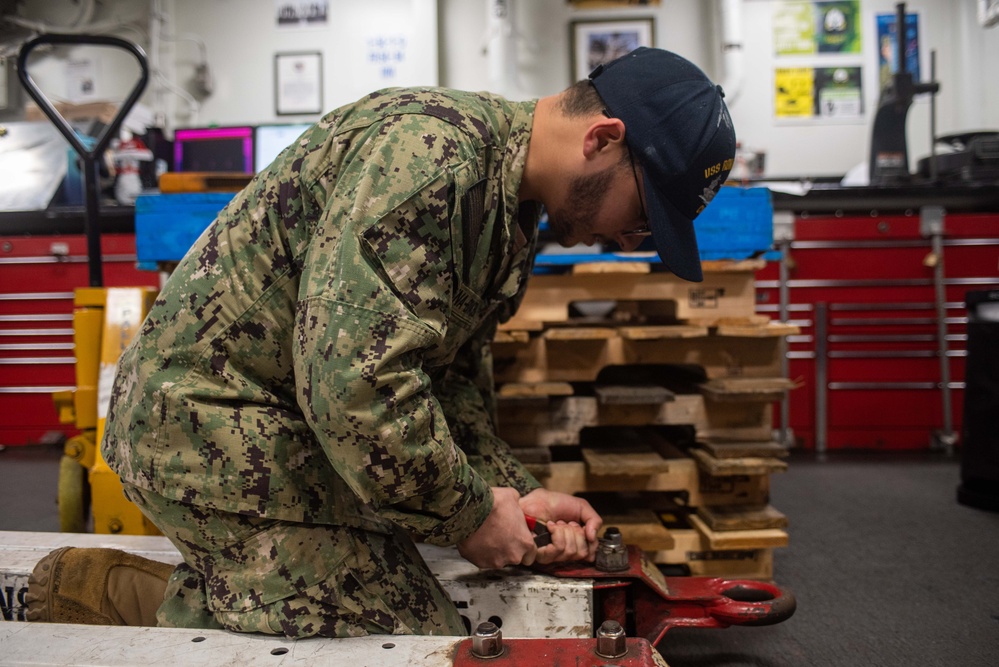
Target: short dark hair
(581, 99)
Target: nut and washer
(487, 641)
(611, 640)
(612, 554)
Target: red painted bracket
(558, 653)
(659, 603)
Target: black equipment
(980, 428)
(889, 162)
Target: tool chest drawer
(38, 275)
(863, 291)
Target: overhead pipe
(500, 47)
(988, 13)
(733, 58)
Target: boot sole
(40, 586)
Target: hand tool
(542, 537)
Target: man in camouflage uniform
(313, 388)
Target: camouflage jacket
(321, 353)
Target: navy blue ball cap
(680, 132)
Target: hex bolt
(612, 554)
(611, 642)
(487, 641)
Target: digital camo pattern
(296, 364)
(249, 574)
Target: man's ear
(603, 137)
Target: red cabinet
(863, 291)
(38, 275)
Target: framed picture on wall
(601, 41)
(298, 83)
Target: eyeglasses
(643, 230)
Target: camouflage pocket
(381, 586)
(322, 610)
(280, 560)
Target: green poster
(793, 28)
(838, 93)
(805, 28)
(837, 26)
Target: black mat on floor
(887, 568)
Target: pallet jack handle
(90, 157)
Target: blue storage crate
(167, 225)
(738, 224)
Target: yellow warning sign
(794, 90)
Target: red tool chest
(860, 286)
(863, 291)
(37, 277)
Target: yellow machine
(104, 322)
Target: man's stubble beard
(575, 219)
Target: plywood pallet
(729, 528)
(555, 414)
(639, 318)
(697, 554)
(582, 429)
(641, 469)
(750, 349)
(683, 541)
(727, 291)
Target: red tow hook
(631, 590)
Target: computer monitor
(269, 140)
(214, 149)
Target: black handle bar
(89, 156)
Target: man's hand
(503, 539)
(572, 522)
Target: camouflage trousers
(249, 574)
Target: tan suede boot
(96, 587)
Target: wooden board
(732, 265)
(580, 357)
(739, 466)
(534, 389)
(572, 477)
(739, 539)
(743, 321)
(611, 267)
(746, 389)
(631, 460)
(772, 329)
(512, 337)
(728, 291)
(632, 394)
(731, 517)
(745, 490)
(580, 333)
(663, 332)
(682, 479)
(736, 450)
(560, 420)
(691, 552)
